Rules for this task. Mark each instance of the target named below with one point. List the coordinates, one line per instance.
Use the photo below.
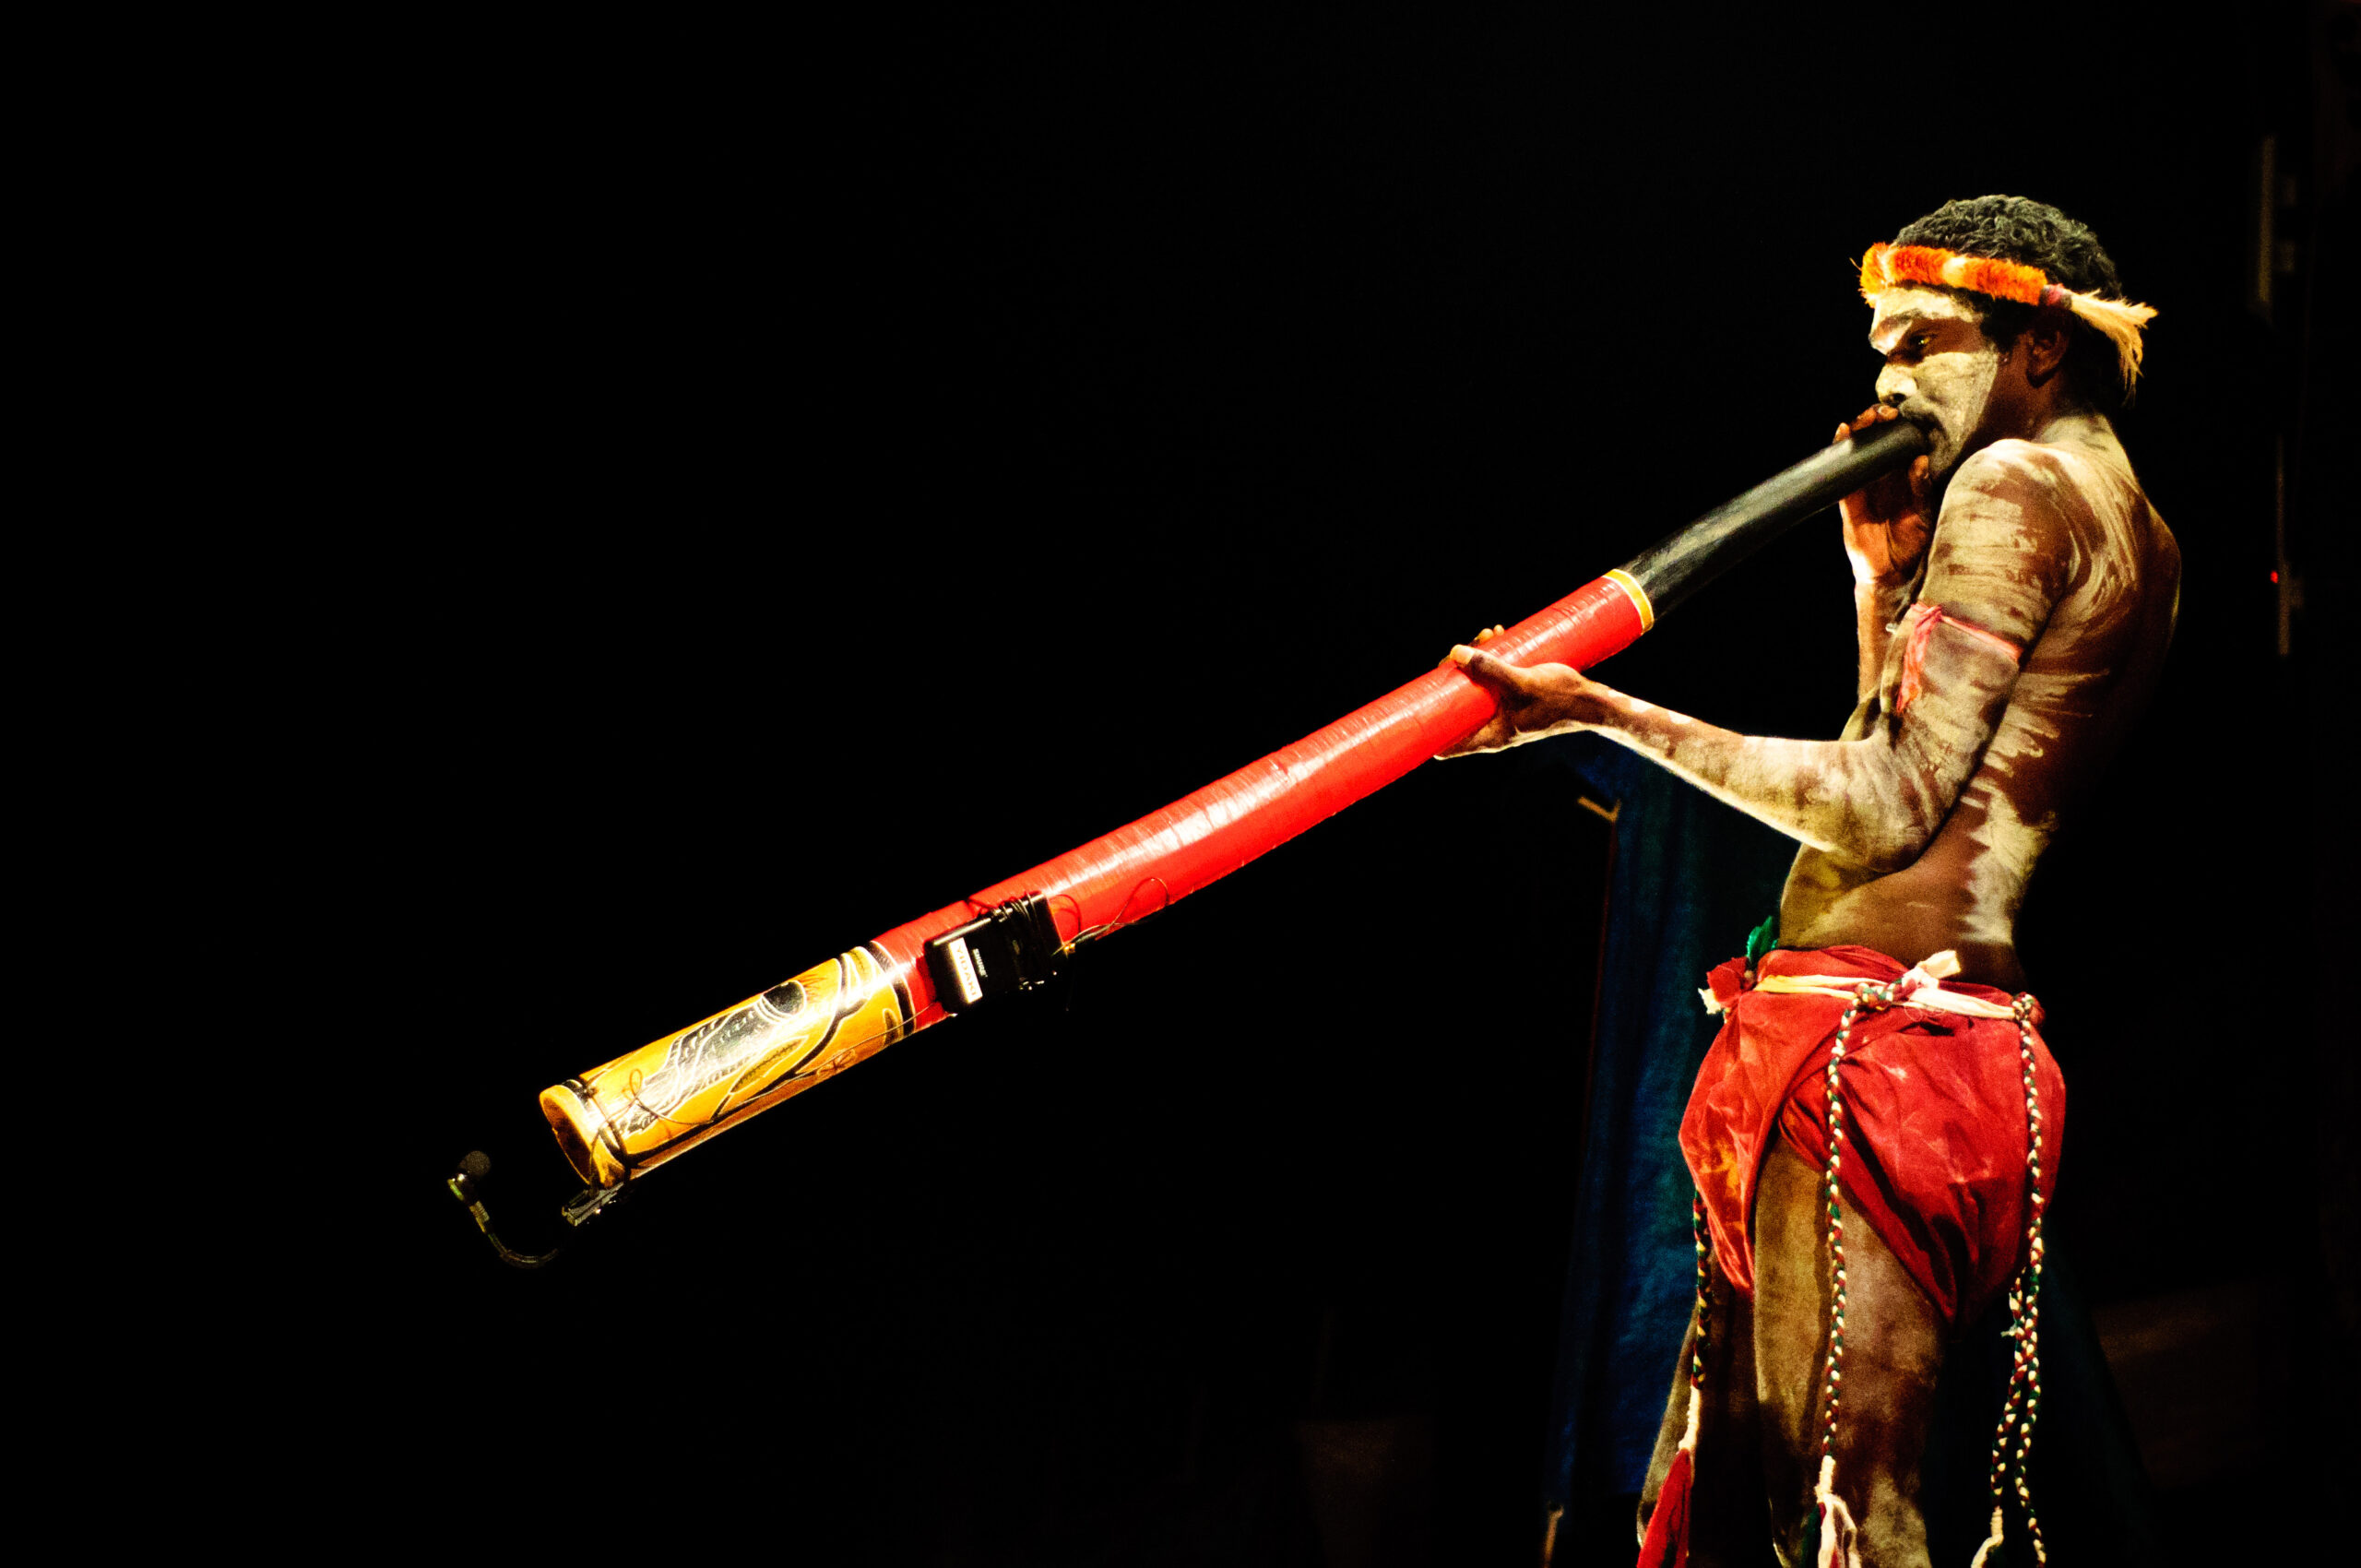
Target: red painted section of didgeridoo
(1168, 854)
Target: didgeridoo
(637, 1111)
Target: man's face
(1940, 368)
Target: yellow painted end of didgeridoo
(636, 1113)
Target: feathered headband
(1885, 267)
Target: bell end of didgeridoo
(583, 1134)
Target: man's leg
(1726, 1502)
(1893, 1348)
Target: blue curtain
(1690, 878)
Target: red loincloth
(1935, 1123)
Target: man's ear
(2044, 343)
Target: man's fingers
(1487, 669)
(1864, 420)
(1483, 637)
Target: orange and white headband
(1889, 267)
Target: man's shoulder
(2074, 506)
(2023, 469)
(2058, 489)
(2020, 488)
(2085, 463)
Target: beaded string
(1704, 1301)
(1832, 1387)
(1833, 1370)
(2024, 1321)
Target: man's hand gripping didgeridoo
(1888, 523)
(1544, 699)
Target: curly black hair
(2016, 229)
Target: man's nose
(1894, 386)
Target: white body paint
(1921, 827)
(2090, 597)
(1948, 392)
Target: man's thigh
(1893, 1349)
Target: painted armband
(1919, 628)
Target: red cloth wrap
(1934, 1114)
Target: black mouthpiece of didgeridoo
(1680, 564)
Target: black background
(812, 476)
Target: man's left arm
(1998, 562)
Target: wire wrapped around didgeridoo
(636, 1113)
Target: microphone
(467, 1186)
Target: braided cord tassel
(1836, 1530)
(1705, 1298)
(1665, 1545)
(1705, 1317)
(2024, 1405)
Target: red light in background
(2274, 576)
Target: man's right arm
(1876, 798)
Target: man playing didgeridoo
(1875, 1131)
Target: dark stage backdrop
(812, 477)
